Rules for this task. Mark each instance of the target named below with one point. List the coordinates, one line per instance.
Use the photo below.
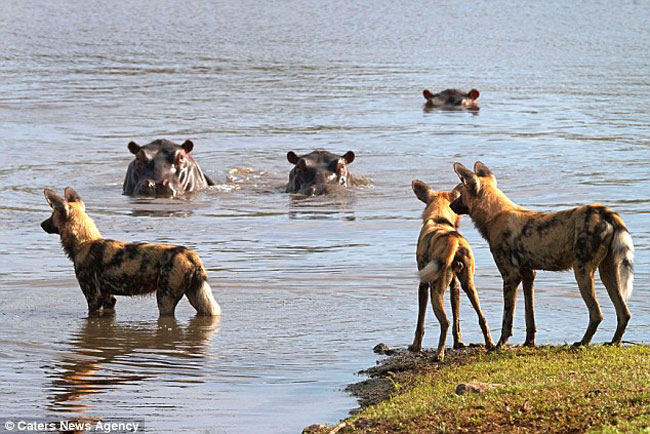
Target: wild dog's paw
(415, 348)
(459, 344)
(529, 343)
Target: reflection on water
(106, 355)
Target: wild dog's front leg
(527, 278)
(510, 285)
(91, 291)
(423, 298)
(455, 308)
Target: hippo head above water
(317, 172)
(163, 168)
(451, 98)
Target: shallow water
(307, 287)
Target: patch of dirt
(399, 368)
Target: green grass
(547, 389)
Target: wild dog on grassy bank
(443, 258)
(521, 241)
(105, 268)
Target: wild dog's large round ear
(71, 195)
(188, 145)
(427, 94)
(422, 191)
(134, 147)
(53, 199)
(348, 157)
(292, 157)
(481, 169)
(468, 178)
(473, 94)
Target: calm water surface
(307, 287)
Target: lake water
(307, 287)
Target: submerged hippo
(316, 172)
(451, 98)
(163, 168)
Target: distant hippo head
(317, 171)
(452, 98)
(163, 168)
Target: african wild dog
(443, 257)
(105, 268)
(521, 241)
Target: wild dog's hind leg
(467, 281)
(610, 278)
(585, 278)
(527, 278)
(109, 303)
(170, 284)
(454, 292)
(423, 298)
(437, 291)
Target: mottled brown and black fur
(444, 257)
(521, 241)
(105, 268)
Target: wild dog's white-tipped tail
(430, 272)
(623, 253)
(203, 300)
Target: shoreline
(549, 388)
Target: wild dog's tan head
(69, 219)
(437, 202)
(475, 187)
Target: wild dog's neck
(491, 203)
(440, 213)
(78, 230)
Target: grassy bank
(547, 389)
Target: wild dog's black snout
(48, 226)
(459, 207)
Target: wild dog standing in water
(444, 257)
(105, 268)
(583, 239)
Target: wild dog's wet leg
(437, 291)
(91, 291)
(467, 281)
(167, 301)
(423, 298)
(108, 304)
(585, 278)
(455, 308)
(610, 278)
(527, 278)
(510, 284)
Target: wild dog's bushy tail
(439, 264)
(200, 295)
(623, 255)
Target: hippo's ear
(71, 195)
(473, 94)
(468, 178)
(53, 199)
(348, 157)
(292, 157)
(134, 148)
(427, 94)
(188, 145)
(422, 191)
